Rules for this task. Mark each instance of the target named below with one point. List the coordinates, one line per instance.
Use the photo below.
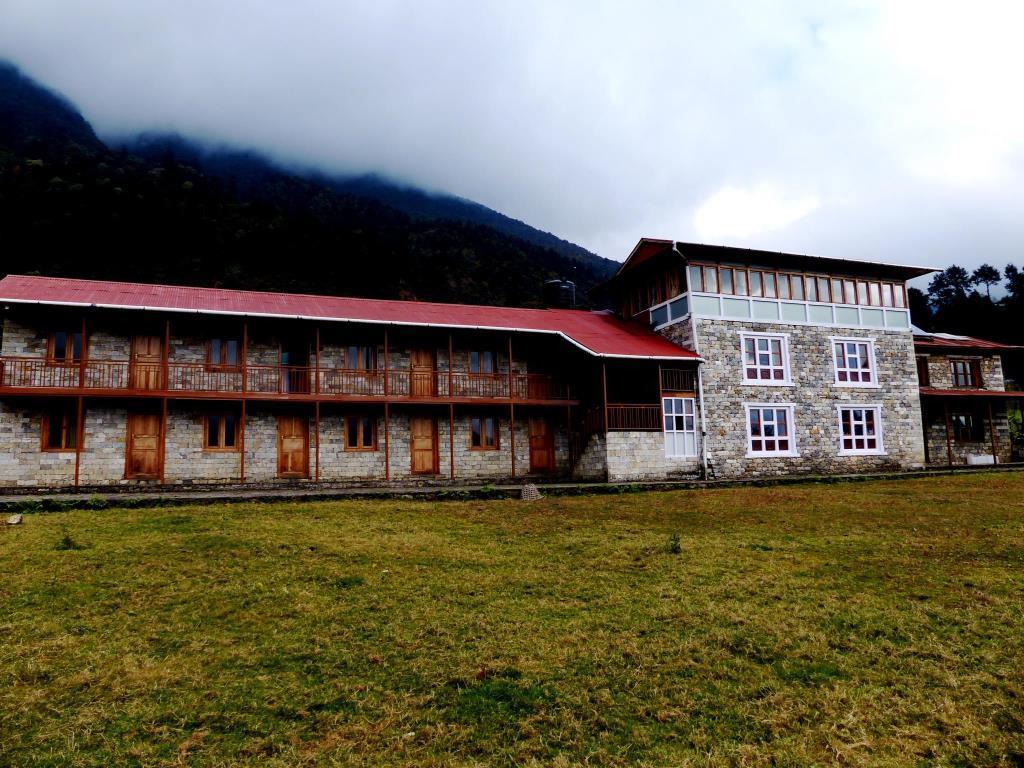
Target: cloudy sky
(885, 130)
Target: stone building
(717, 362)
(964, 401)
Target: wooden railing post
(317, 431)
(83, 353)
(316, 389)
(241, 444)
(167, 355)
(604, 394)
(245, 358)
(79, 435)
(511, 410)
(386, 390)
(451, 363)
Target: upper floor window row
(657, 288)
(741, 281)
(765, 360)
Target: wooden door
(423, 445)
(292, 446)
(144, 447)
(542, 445)
(147, 364)
(422, 376)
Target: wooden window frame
(51, 344)
(368, 351)
(972, 372)
(480, 357)
(223, 341)
(358, 420)
(875, 422)
(69, 427)
(480, 431)
(221, 432)
(973, 424)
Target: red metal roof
(949, 341)
(599, 333)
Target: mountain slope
(71, 206)
(248, 171)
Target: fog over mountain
(875, 129)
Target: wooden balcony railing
(174, 377)
(638, 418)
(677, 380)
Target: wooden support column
(79, 435)
(451, 441)
(451, 362)
(661, 398)
(511, 410)
(604, 394)
(568, 433)
(163, 437)
(167, 355)
(316, 387)
(992, 433)
(316, 429)
(241, 444)
(949, 433)
(245, 356)
(82, 355)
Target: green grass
(875, 623)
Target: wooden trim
(604, 394)
(163, 437)
(316, 427)
(238, 366)
(245, 356)
(207, 448)
(497, 434)
(72, 423)
(373, 432)
(316, 386)
(386, 377)
(167, 355)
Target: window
(860, 429)
(680, 426)
(966, 373)
(360, 433)
(485, 433)
(854, 362)
(770, 430)
(221, 432)
(223, 353)
(967, 427)
(765, 359)
(361, 358)
(65, 347)
(60, 427)
(696, 281)
(482, 362)
(924, 379)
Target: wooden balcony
(23, 375)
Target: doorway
(292, 446)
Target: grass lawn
(872, 623)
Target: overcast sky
(885, 130)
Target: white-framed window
(854, 362)
(680, 421)
(765, 358)
(770, 429)
(860, 430)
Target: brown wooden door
(423, 445)
(542, 445)
(144, 448)
(292, 446)
(147, 363)
(422, 376)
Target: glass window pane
(710, 279)
(696, 283)
(755, 283)
(823, 290)
(725, 275)
(812, 289)
(784, 291)
(229, 430)
(862, 292)
(741, 282)
(213, 431)
(768, 278)
(60, 345)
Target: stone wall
(940, 372)
(641, 456)
(936, 435)
(592, 463)
(815, 397)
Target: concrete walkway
(102, 497)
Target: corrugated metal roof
(599, 333)
(951, 341)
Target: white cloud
(736, 213)
(599, 121)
